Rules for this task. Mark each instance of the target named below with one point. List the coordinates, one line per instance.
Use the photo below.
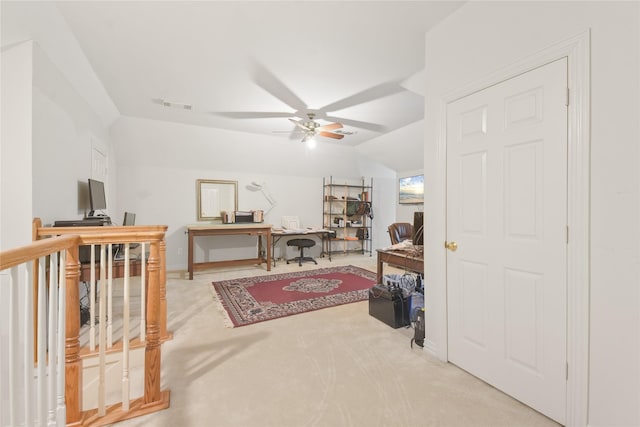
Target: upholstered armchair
(399, 231)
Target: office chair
(400, 231)
(301, 244)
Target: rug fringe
(226, 320)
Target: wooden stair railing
(40, 372)
(153, 398)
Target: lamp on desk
(263, 189)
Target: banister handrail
(98, 235)
(13, 257)
(154, 307)
(67, 241)
(130, 234)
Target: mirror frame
(228, 188)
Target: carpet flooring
(338, 367)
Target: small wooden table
(251, 229)
(408, 260)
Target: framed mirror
(215, 196)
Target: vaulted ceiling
(249, 66)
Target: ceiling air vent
(171, 104)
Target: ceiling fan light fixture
(309, 139)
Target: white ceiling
(355, 62)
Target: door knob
(452, 246)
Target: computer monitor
(129, 219)
(418, 235)
(97, 196)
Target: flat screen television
(418, 228)
(97, 196)
(411, 189)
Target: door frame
(577, 51)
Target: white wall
(402, 149)
(483, 37)
(65, 129)
(159, 163)
(68, 113)
(15, 183)
(42, 22)
(15, 146)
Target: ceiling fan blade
(331, 135)
(250, 114)
(300, 125)
(330, 126)
(358, 124)
(367, 95)
(267, 81)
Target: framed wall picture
(411, 189)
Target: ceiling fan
(312, 128)
(266, 80)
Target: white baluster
(41, 387)
(110, 300)
(101, 333)
(61, 409)
(125, 333)
(92, 301)
(28, 334)
(52, 341)
(143, 294)
(27, 331)
(15, 358)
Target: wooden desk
(408, 260)
(324, 235)
(251, 229)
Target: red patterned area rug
(256, 299)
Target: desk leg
(273, 249)
(267, 250)
(379, 271)
(190, 256)
(269, 245)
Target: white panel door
(98, 165)
(507, 213)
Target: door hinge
(567, 234)
(567, 99)
(566, 367)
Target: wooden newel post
(73, 364)
(152, 360)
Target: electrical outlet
(179, 251)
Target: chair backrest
(399, 231)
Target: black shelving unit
(346, 211)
